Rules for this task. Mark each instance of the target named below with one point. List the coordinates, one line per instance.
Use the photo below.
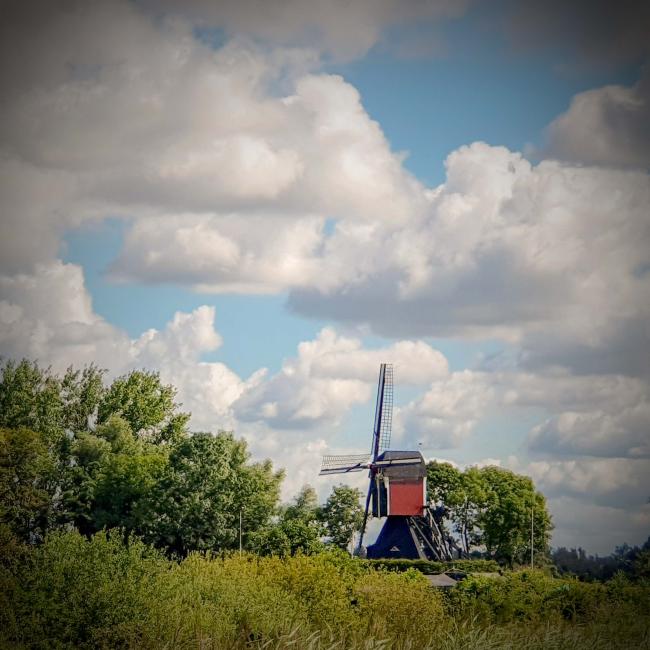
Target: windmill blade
(383, 410)
(344, 464)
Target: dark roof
(416, 470)
(391, 454)
(441, 580)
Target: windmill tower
(397, 489)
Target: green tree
(505, 521)
(40, 400)
(489, 507)
(304, 507)
(288, 537)
(458, 498)
(81, 393)
(122, 487)
(343, 515)
(298, 528)
(30, 397)
(110, 475)
(147, 405)
(26, 483)
(206, 484)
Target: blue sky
(265, 209)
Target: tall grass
(102, 593)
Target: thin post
(240, 544)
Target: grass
(102, 593)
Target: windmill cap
(400, 455)
(402, 464)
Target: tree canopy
(343, 515)
(78, 452)
(490, 508)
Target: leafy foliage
(343, 515)
(429, 567)
(26, 480)
(204, 486)
(490, 507)
(533, 595)
(147, 405)
(40, 400)
(297, 531)
(634, 561)
(73, 452)
(108, 592)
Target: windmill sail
(381, 432)
(345, 464)
(383, 411)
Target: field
(105, 593)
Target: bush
(527, 595)
(104, 593)
(74, 591)
(429, 567)
(101, 592)
(392, 603)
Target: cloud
(446, 414)
(615, 482)
(213, 138)
(342, 29)
(241, 169)
(595, 433)
(548, 256)
(579, 416)
(605, 126)
(329, 376)
(48, 317)
(232, 253)
(595, 32)
(597, 528)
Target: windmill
(396, 491)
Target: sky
(263, 201)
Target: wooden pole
(240, 544)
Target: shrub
(389, 604)
(430, 567)
(103, 592)
(529, 595)
(72, 590)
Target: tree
(304, 507)
(122, 487)
(343, 515)
(505, 520)
(490, 507)
(147, 405)
(26, 473)
(288, 537)
(298, 528)
(81, 393)
(30, 397)
(458, 497)
(204, 487)
(40, 400)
